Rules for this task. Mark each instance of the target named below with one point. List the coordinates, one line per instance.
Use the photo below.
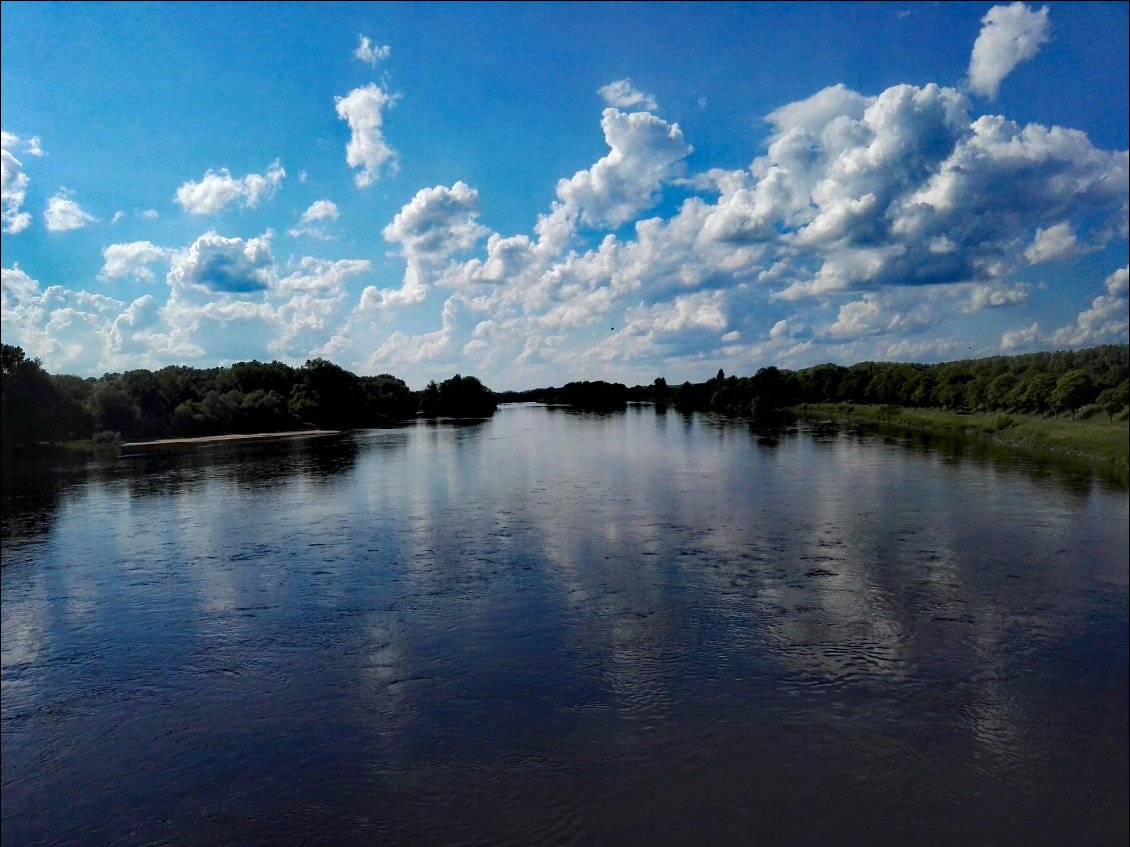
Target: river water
(564, 628)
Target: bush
(999, 422)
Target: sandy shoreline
(212, 439)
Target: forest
(178, 401)
(1046, 383)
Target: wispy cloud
(369, 52)
(623, 95)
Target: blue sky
(537, 193)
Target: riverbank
(114, 446)
(1093, 438)
(217, 439)
(211, 439)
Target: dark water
(555, 628)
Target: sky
(536, 193)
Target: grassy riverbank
(1090, 436)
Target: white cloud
(316, 297)
(1055, 242)
(623, 95)
(217, 189)
(63, 214)
(13, 187)
(369, 52)
(132, 260)
(150, 215)
(1015, 340)
(646, 152)
(702, 310)
(1117, 282)
(1011, 34)
(1105, 322)
(363, 109)
(995, 295)
(318, 212)
(217, 264)
(437, 222)
(69, 330)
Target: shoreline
(1098, 442)
(217, 439)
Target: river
(554, 627)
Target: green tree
(32, 408)
(1114, 400)
(1072, 390)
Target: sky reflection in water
(554, 627)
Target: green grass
(1090, 436)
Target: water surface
(563, 628)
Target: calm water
(556, 628)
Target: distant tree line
(37, 407)
(1059, 382)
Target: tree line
(1032, 383)
(37, 407)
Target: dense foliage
(1033, 383)
(246, 397)
(274, 397)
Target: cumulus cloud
(69, 330)
(217, 264)
(1106, 320)
(995, 295)
(132, 260)
(646, 152)
(869, 226)
(1055, 242)
(898, 213)
(315, 292)
(319, 211)
(1011, 34)
(369, 52)
(63, 214)
(218, 189)
(13, 187)
(1021, 338)
(437, 222)
(363, 110)
(623, 95)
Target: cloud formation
(1106, 320)
(1011, 34)
(218, 189)
(318, 212)
(132, 260)
(13, 187)
(362, 109)
(369, 52)
(623, 95)
(891, 224)
(217, 264)
(646, 151)
(63, 214)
